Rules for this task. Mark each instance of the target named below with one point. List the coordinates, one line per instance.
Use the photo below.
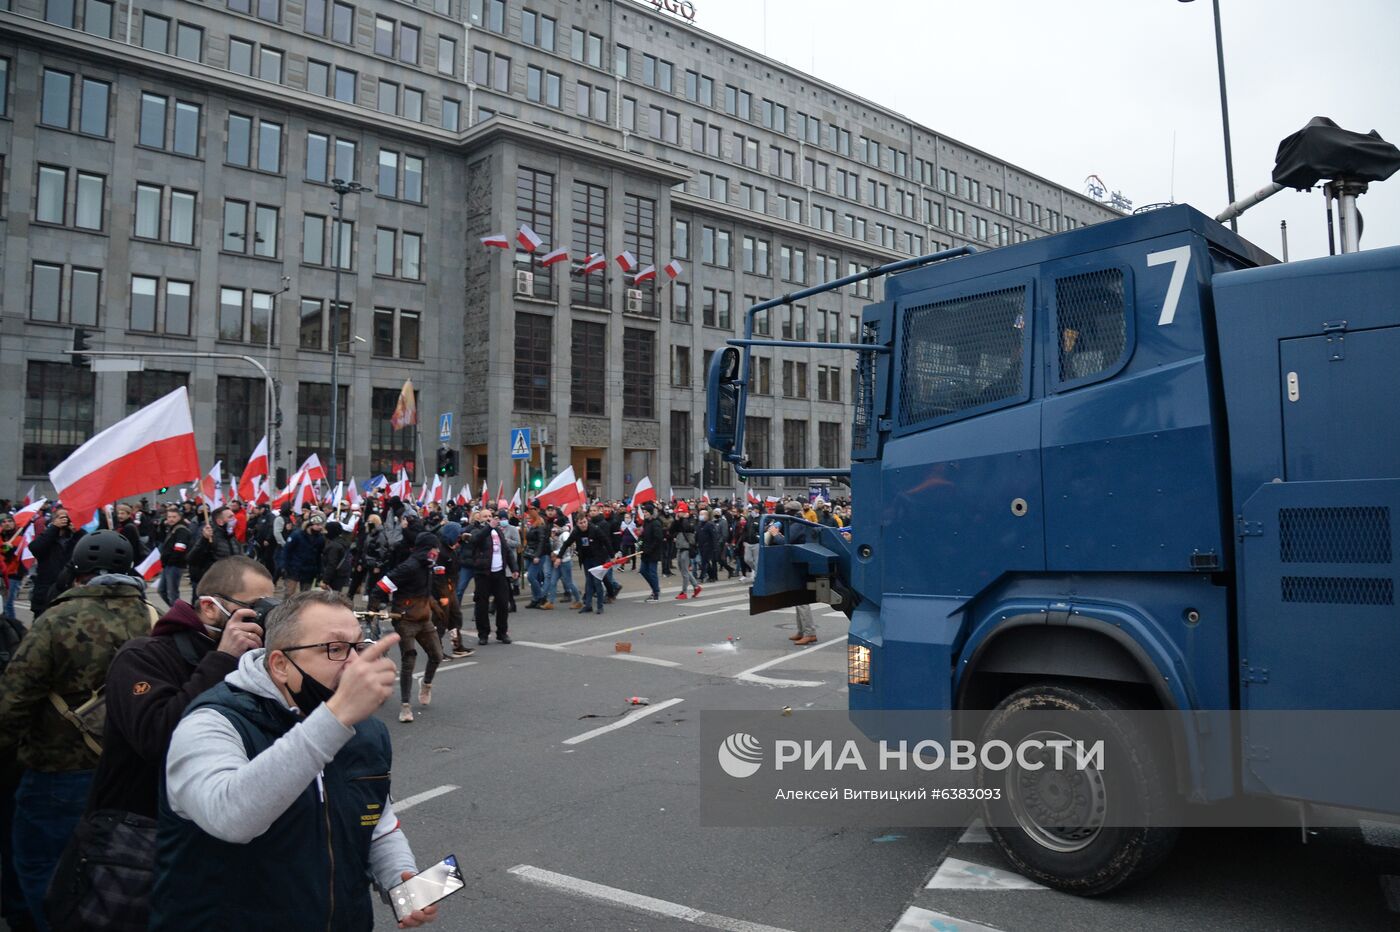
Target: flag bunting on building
(499, 240)
(406, 410)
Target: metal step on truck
(1140, 465)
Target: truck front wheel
(1083, 829)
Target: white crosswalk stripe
(957, 874)
(918, 919)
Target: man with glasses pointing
(280, 774)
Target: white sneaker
(425, 694)
(405, 712)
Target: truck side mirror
(722, 384)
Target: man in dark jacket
(411, 584)
(124, 523)
(445, 573)
(216, 539)
(174, 550)
(335, 558)
(494, 566)
(301, 558)
(51, 548)
(653, 546)
(594, 544)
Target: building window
(314, 422)
(59, 414)
(239, 417)
(92, 114)
(534, 207)
(756, 443)
(345, 82)
(451, 114)
(56, 100)
(680, 366)
(447, 56)
(389, 449)
(155, 33)
(680, 303)
(639, 238)
(533, 352)
(151, 385)
(240, 140)
(794, 444)
(46, 292)
(143, 304)
(587, 371)
(639, 374)
(51, 196)
(189, 42)
(313, 239)
(829, 445)
(590, 212)
(91, 198)
(680, 448)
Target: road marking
(751, 675)
(637, 658)
(976, 834)
(629, 718)
(646, 590)
(635, 901)
(957, 874)
(650, 624)
(446, 667)
(917, 919)
(403, 805)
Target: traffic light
(451, 463)
(549, 464)
(80, 342)
(536, 480)
(442, 460)
(711, 473)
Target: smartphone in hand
(441, 880)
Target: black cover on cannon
(1322, 150)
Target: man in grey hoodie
(283, 770)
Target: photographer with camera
(149, 685)
(278, 779)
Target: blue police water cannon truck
(1139, 465)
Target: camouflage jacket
(67, 651)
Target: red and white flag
(152, 448)
(770, 504)
(305, 493)
(435, 493)
(256, 468)
(406, 408)
(387, 585)
(704, 497)
(352, 491)
(28, 497)
(312, 470)
(674, 268)
(501, 494)
(28, 513)
(596, 262)
(552, 258)
(626, 260)
(26, 558)
(264, 495)
(528, 239)
(499, 240)
(752, 496)
(515, 502)
(485, 495)
(212, 485)
(644, 492)
(582, 494)
(462, 497)
(562, 491)
(337, 496)
(150, 567)
(647, 274)
(284, 497)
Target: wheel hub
(1062, 810)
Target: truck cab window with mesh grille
(962, 353)
(1091, 323)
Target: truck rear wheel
(1084, 831)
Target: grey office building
(167, 176)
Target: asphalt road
(605, 833)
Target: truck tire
(1075, 831)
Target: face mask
(312, 693)
(212, 631)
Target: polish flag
(435, 493)
(264, 492)
(644, 492)
(387, 585)
(462, 497)
(647, 274)
(752, 497)
(150, 567)
(500, 493)
(594, 263)
(562, 492)
(673, 269)
(28, 497)
(27, 558)
(515, 502)
(499, 240)
(152, 448)
(285, 496)
(312, 469)
(704, 497)
(212, 485)
(304, 492)
(353, 492)
(626, 260)
(582, 495)
(673, 496)
(770, 504)
(257, 466)
(337, 496)
(28, 513)
(528, 239)
(553, 258)
(485, 496)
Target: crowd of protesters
(65, 790)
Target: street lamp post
(1224, 109)
(341, 188)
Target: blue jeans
(47, 808)
(535, 574)
(649, 574)
(464, 579)
(591, 588)
(564, 571)
(12, 593)
(170, 583)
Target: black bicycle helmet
(102, 552)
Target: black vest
(309, 871)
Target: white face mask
(210, 629)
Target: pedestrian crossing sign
(520, 443)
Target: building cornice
(508, 129)
(778, 225)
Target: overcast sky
(1078, 87)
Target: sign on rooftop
(682, 8)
